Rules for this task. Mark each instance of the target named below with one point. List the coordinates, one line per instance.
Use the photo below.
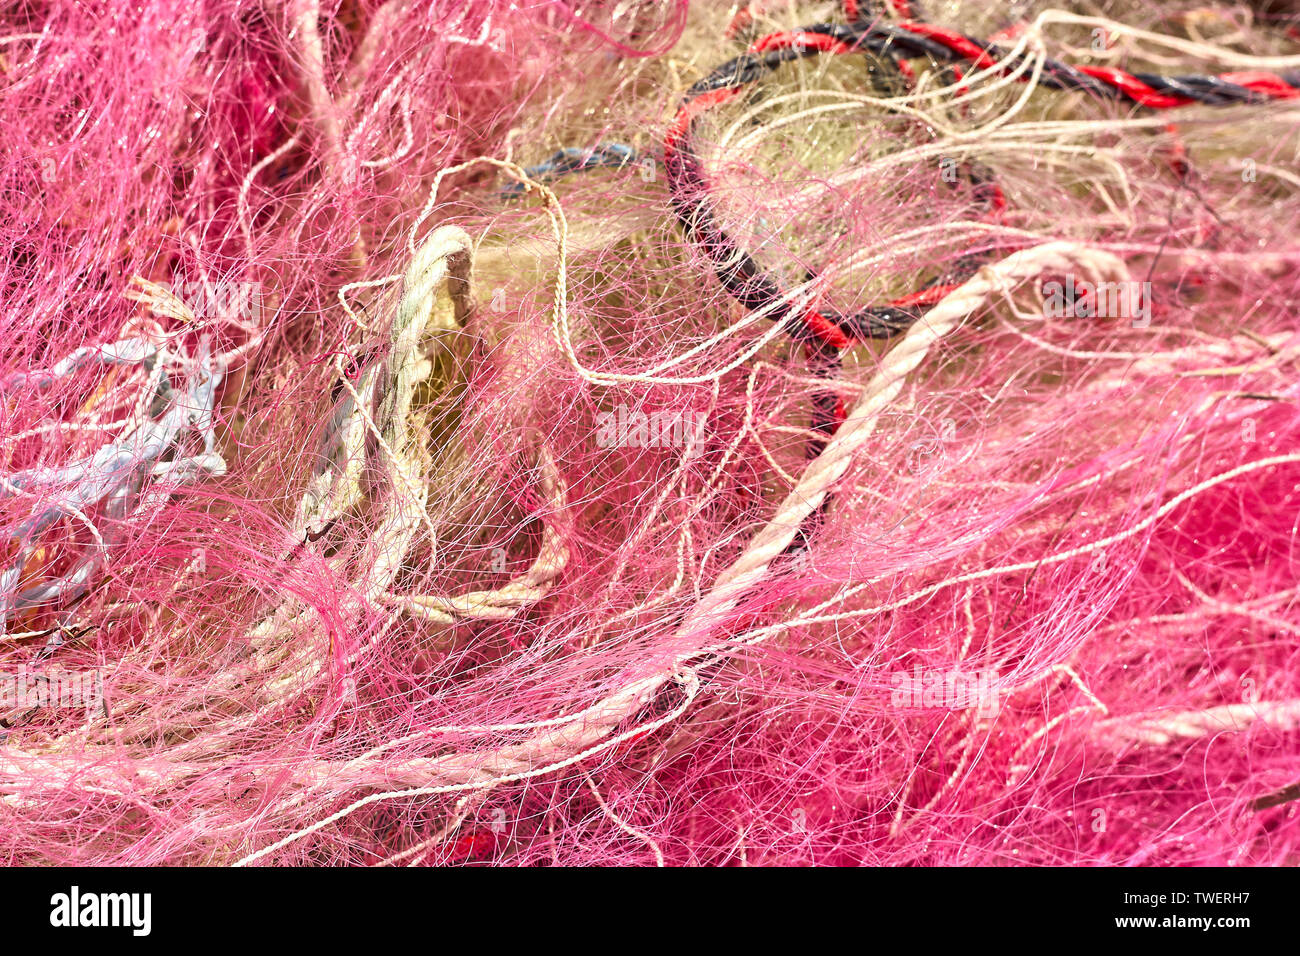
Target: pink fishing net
(391, 474)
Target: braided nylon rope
(745, 281)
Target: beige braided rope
(528, 588)
(443, 261)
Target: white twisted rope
(593, 730)
(822, 474)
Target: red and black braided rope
(753, 288)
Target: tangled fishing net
(616, 432)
